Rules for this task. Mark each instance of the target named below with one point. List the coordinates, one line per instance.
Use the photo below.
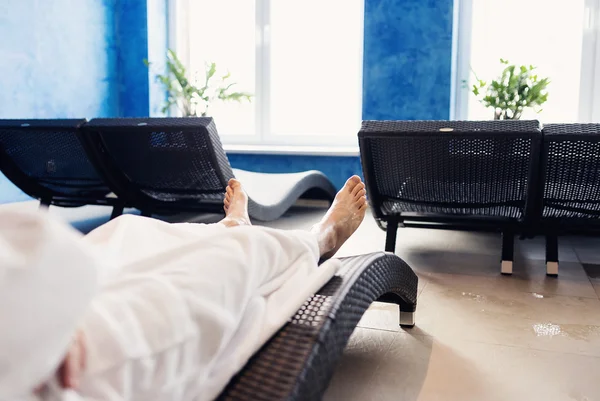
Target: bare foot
(343, 218)
(235, 205)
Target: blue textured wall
(140, 33)
(407, 59)
(131, 33)
(58, 60)
(83, 58)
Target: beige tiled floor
(479, 336)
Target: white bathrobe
(182, 307)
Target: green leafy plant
(195, 98)
(516, 89)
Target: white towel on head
(46, 284)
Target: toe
(360, 194)
(352, 182)
(359, 187)
(234, 184)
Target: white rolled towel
(46, 284)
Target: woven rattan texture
(502, 126)
(452, 173)
(66, 124)
(52, 156)
(571, 171)
(155, 123)
(298, 362)
(571, 129)
(170, 160)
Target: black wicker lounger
(571, 184)
(45, 159)
(298, 362)
(178, 164)
(452, 174)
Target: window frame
(179, 40)
(589, 98)
(589, 85)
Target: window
(558, 38)
(301, 60)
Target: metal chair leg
(407, 315)
(117, 211)
(508, 252)
(45, 203)
(552, 255)
(390, 235)
(407, 319)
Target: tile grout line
(586, 273)
(387, 350)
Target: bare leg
(235, 205)
(342, 219)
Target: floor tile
(587, 249)
(592, 270)
(596, 284)
(422, 368)
(364, 352)
(530, 320)
(479, 270)
(499, 316)
(535, 248)
(491, 244)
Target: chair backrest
(571, 172)
(155, 163)
(46, 160)
(458, 168)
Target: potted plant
(516, 89)
(194, 98)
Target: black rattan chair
(45, 159)
(452, 174)
(178, 164)
(298, 362)
(571, 184)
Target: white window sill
(293, 150)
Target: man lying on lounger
(141, 309)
